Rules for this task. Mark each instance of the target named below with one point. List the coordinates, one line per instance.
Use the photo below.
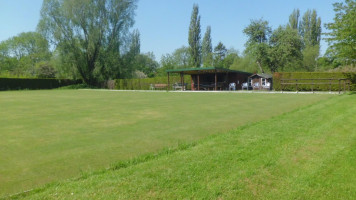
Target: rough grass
(309, 153)
(54, 135)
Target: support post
(216, 79)
(198, 82)
(182, 82)
(168, 81)
(296, 85)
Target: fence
(313, 83)
(145, 83)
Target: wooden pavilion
(211, 78)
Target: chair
(232, 86)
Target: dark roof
(263, 75)
(203, 70)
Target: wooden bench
(158, 86)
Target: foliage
(220, 53)
(207, 48)
(245, 63)
(285, 50)
(91, 35)
(194, 38)
(179, 59)
(310, 58)
(230, 59)
(342, 38)
(146, 63)
(45, 70)
(310, 28)
(258, 33)
(34, 83)
(313, 75)
(20, 54)
(294, 19)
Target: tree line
(93, 40)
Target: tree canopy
(20, 54)
(91, 34)
(342, 38)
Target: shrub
(34, 83)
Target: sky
(163, 24)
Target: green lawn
(53, 135)
(309, 153)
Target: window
(264, 81)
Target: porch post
(168, 81)
(216, 79)
(182, 82)
(181, 79)
(198, 82)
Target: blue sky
(163, 24)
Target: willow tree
(91, 34)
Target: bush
(144, 84)
(313, 75)
(34, 83)
(46, 71)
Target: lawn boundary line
(136, 160)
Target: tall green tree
(342, 38)
(91, 34)
(310, 31)
(285, 52)
(207, 48)
(294, 19)
(194, 38)
(310, 28)
(258, 33)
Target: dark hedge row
(144, 84)
(324, 78)
(34, 83)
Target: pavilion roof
(204, 70)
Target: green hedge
(144, 84)
(313, 75)
(34, 83)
